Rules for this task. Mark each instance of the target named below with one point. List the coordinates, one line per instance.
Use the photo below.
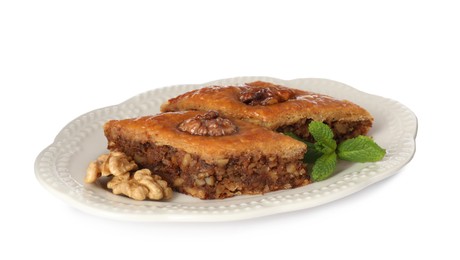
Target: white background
(60, 59)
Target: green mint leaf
(323, 136)
(360, 149)
(312, 153)
(324, 167)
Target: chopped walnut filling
(140, 185)
(209, 124)
(265, 95)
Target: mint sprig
(360, 149)
(325, 151)
(324, 166)
(312, 153)
(323, 136)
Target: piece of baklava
(277, 107)
(208, 156)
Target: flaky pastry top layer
(286, 108)
(162, 129)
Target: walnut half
(114, 163)
(209, 124)
(256, 94)
(140, 186)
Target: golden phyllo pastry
(276, 107)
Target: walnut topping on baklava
(264, 95)
(209, 124)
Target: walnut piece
(140, 186)
(209, 124)
(267, 95)
(114, 163)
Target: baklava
(210, 156)
(277, 107)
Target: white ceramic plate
(61, 167)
